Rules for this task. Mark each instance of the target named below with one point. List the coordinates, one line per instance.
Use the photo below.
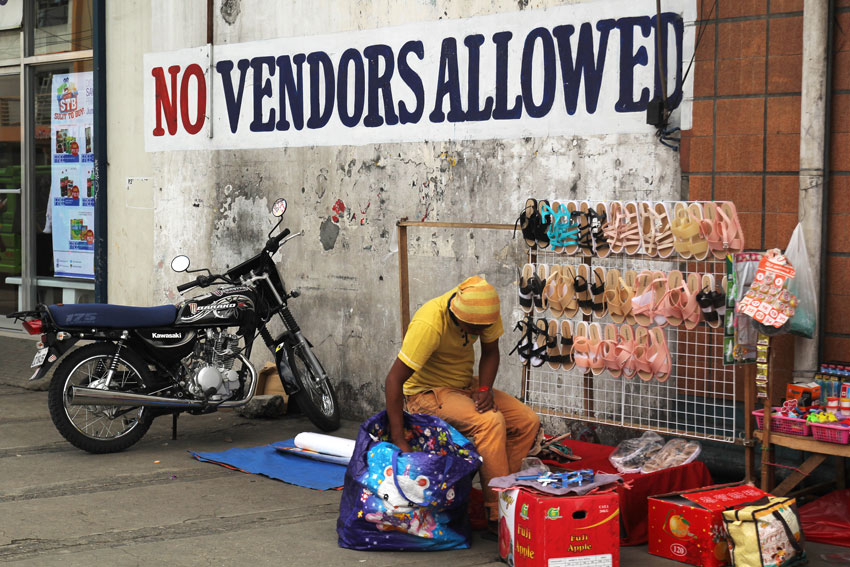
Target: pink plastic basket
(787, 425)
(831, 433)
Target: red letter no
(193, 70)
(166, 102)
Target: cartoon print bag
(407, 501)
(765, 534)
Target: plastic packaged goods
(676, 452)
(632, 454)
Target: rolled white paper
(327, 444)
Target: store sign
(580, 69)
(71, 204)
(11, 13)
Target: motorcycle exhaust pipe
(80, 396)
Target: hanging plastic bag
(805, 317)
(407, 501)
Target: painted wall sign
(579, 69)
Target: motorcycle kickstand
(174, 425)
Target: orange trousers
(502, 437)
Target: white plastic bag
(805, 317)
(631, 454)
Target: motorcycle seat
(106, 315)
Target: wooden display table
(820, 451)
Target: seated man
(434, 373)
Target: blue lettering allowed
(628, 59)
(542, 109)
(587, 63)
(501, 111)
(473, 112)
(674, 99)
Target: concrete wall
(214, 206)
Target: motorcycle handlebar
(272, 245)
(187, 285)
(274, 242)
(202, 281)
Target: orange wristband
(484, 389)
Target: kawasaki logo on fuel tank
(166, 335)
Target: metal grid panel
(698, 398)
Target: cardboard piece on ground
(537, 530)
(688, 526)
(270, 381)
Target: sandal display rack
(697, 398)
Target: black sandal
(541, 231)
(527, 222)
(526, 342)
(597, 289)
(597, 237)
(709, 302)
(581, 288)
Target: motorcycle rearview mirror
(180, 263)
(279, 207)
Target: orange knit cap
(476, 302)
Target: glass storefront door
(10, 192)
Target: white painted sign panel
(581, 69)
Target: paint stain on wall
(339, 210)
(230, 11)
(328, 232)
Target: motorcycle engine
(211, 373)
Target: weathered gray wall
(214, 206)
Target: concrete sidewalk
(155, 504)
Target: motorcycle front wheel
(316, 397)
(99, 429)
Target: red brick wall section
(745, 141)
(837, 307)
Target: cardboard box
(688, 526)
(559, 531)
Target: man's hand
(402, 444)
(484, 400)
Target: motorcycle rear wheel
(99, 429)
(316, 397)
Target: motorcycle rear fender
(282, 354)
(55, 351)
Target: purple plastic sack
(407, 501)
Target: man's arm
(397, 376)
(488, 366)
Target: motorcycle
(193, 357)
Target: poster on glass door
(71, 190)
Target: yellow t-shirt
(437, 349)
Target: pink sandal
(609, 351)
(625, 351)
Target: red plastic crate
(787, 425)
(831, 433)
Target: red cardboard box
(687, 526)
(538, 530)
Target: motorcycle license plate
(38, 360)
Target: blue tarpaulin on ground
(268, 461)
